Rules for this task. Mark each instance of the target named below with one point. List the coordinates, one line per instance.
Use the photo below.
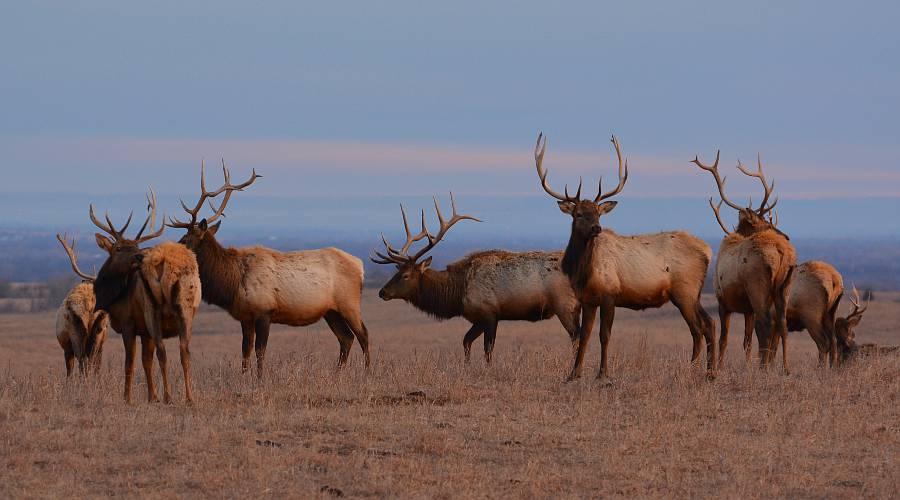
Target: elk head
(750, 220)
(585, 213)
(405, 282)
(124, 253)
(198, 231)
(843, 327)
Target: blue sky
(335, 99)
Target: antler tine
(720, 181)
(623, 175)
(206, 195)
(767, 188)
(106, 228)
(855, 300)
(445, 226)
(539, 149)
(73, 257)
(718, 216)
(151, 219)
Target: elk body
(608, 271)
(149, 293)
(816, 291)
(80, 329)
(484, 287)
(753, 269)
(259, 286)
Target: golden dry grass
(421, 423)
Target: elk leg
(261, 326)
(474, 332)
(749, 320)
(353, 320)
(701, 327)
(70, 362)
(248, 335)
(569, 321)
(162, 357)
(606, 321)
(490, 333)
(148, 348)
(97, 362)
(343, 333)
(763, 327)
(130, 350)
(823, 344)
(588, 315)
(184, 347)
(780, 327)
(724, 324)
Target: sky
(336, 102)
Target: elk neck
(112, 284)
(440, 293)
(578, 259)
(220, 272)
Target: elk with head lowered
(753, 267)
(81, 330)
(608, 271)
(259, 286)
(484, 287)
(151, 293)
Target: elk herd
(153, 292)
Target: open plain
(421, 423)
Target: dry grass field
(420, 423)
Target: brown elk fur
(259, 286)
(153, 294)
(487, 287)
(815, 293)
(80, 330)
(637, 272)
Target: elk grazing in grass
(753, 268)
(637, 272)
(150, 293)
(484, 287)
(259, 286)
(816, 291)
(846, 337)
(80, 329)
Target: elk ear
(607, 206)
(424, 264)
(104, 242)
(202, 225)
(567, 207)
(214, 228)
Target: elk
(816, 291)
(80, 329)
(484, 287)
(753, 267)
(150, 293)
(259, 286)
(608, 271)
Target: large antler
(857, 310)
(623, 175)
(151, 219)
(767, 188)
(228, 188)
(539, 149)
(109, 228)
(720, 181)
(394, 256)
(715, 208)
(73, 257)
(119, 234)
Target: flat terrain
(421, 423)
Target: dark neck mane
(441, 293)
(578, 259)
(220, 272)
(112, 285)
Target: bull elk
(816, 291)
(150, 293)
(753, 267)
(846, 336)
(80, 329)
(259, 286)
(484, 287)
(608, 271)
